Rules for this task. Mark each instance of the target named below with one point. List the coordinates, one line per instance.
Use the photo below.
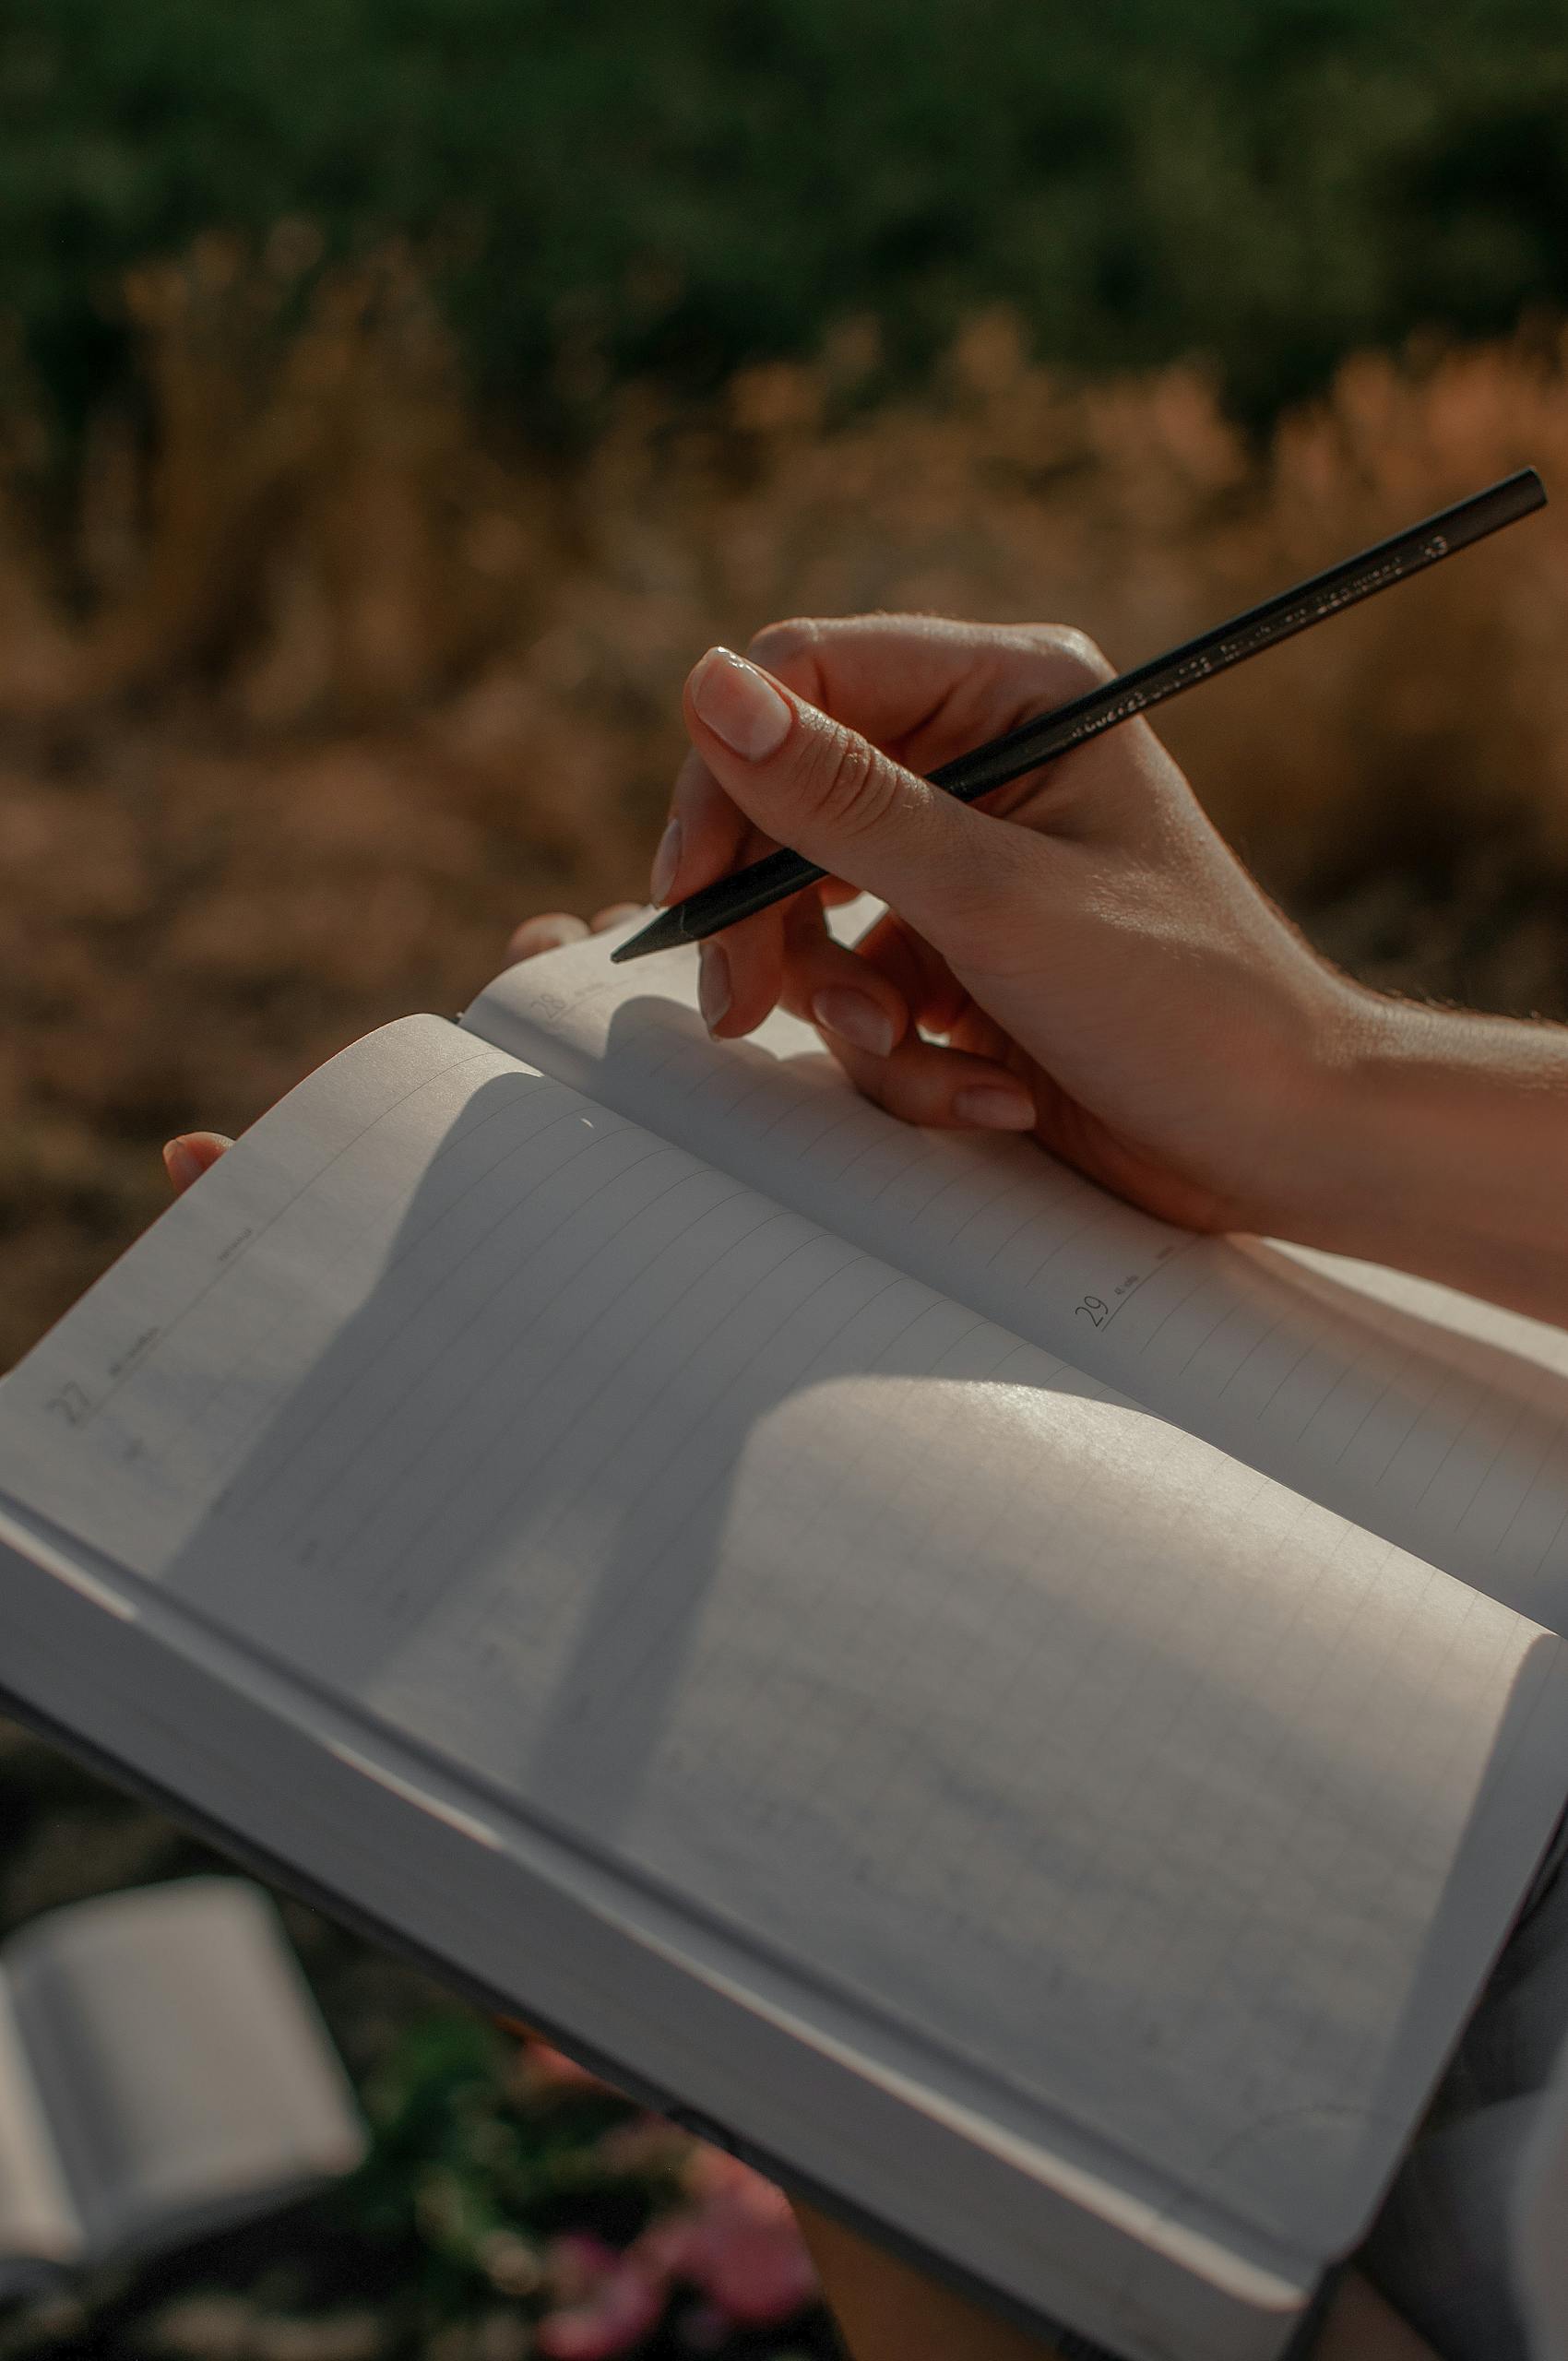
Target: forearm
(1440, 1145)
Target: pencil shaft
(992, 766)
(1276, 618)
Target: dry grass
(319, 692)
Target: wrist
(1437, 1141)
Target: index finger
(926, 688)
(922, 687)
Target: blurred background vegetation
(688, 187)
(397, 396)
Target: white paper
(1438, 1422)
(866, 1626)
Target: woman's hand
(1084, 958)
(1098, 966)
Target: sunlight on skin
(886, 2311)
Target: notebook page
(38, 2222)
(1437, 1422)
(1124, 1779)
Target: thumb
(825, 791)
(194, 1153)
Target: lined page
(1437, 1422)
(1120, 1777)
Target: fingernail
(856, 1017)
(739, 705)
(999, 1109)
(666, 861)
(182, 1164)
(713, 983)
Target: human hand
(1084, 958)
(1097, 963)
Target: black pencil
(970, 776)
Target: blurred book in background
(163, 2074)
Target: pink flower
(606, 2302)
(739, 2244)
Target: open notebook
(1032, 1727)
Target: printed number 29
(1092, 1308)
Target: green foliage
(684, 186)
(439, 2247)
(463, 2167)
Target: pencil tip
(663, 933)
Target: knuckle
(847, 784)
(784, 643)
(1078, 663)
